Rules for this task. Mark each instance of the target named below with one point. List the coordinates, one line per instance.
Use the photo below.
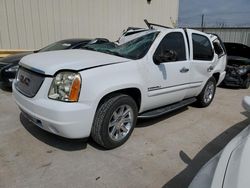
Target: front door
(169, 80)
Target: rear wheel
(207, 94)
(114, 121)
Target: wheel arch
(133, 92)
(216, 76)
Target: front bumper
(70, 120)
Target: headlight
(242, 70)
(66, 86)
(12, 68)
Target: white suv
(102, 89)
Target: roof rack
(150, 25)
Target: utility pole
(202, 22)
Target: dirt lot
(162, 152)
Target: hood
(233, 167)
(238, 61)
(50, 62)
(14, 58)
(237, 174)
(229, 168)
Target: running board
(166, 109)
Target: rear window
(218, 48)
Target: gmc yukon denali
(101, 90)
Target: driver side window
(172, 43)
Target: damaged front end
(237, 73)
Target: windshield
(56, 46)
(134, 49)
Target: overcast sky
(216, 12)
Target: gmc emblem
(24, 80)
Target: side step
(166, 109)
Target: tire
(111, 121)
(206, 96)
(246, 83)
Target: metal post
(202, 22)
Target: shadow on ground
(51, 139)
(80, 144)
(5, 88)
(184, 178)
(230, 87)
(151, 121)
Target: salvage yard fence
(231, 34)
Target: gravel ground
(162, 152)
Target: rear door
(202, 58)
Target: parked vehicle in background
(100, 91)
(238, 65)
(230, 167)
(9, 65)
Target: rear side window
(202, 49)
(175, 42)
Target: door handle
(184, 70)
(209, 69)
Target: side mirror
(168, 55)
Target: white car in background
(230, 167)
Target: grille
(28, 82)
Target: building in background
(32, 24)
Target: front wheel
(207, 94)
(246, 83)
(114, 121)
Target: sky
(230, 13)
